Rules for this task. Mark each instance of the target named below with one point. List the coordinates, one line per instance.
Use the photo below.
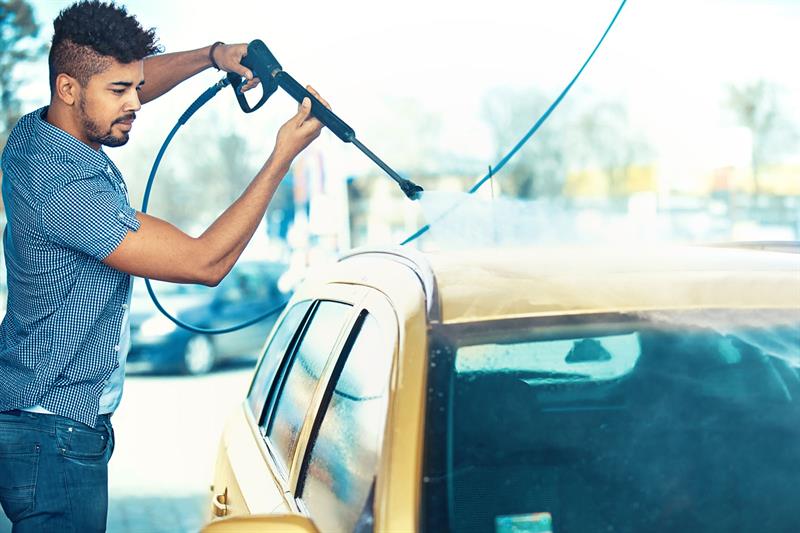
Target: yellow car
(525, 390)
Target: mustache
(132, 116)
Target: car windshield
(658, 421)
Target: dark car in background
(158, 345)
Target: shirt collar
(58, 140)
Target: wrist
(212, 60)
(279, 162)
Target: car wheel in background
(199, 356)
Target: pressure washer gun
(265, 67)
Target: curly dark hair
(89, 33)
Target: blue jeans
(54, 472)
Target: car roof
(488, 284)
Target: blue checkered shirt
(66, 210)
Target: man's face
(107, 105)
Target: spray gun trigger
(235, 80)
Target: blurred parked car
(157, 344)
(537, 390)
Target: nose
(133, 104)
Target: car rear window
(654, 422)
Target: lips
(126, 121)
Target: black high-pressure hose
(267, 68)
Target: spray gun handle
(338, 126)
(237, 81)
(265, 66)
(261, 63)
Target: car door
(254, 461)
(335, 472)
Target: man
(72, 242)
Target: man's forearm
(225, 240)
(159, 250)
(163, 72)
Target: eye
(118, 91)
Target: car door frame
(374, 303)
(286, 477)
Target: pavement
(167, 431)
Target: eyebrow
(125, 83)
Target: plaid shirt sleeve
(89, 216)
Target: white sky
(669, 61)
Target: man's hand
(299, 131)
(165, 71)
(229, 58)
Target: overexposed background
(685, 127)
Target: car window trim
(276, 389)
(259, 417)
(336, 372)
(278, 381)
(322, 385)
(379, 306)
(337, 293)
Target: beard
(97, 134)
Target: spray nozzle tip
(411, 189)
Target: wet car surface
(544, 389)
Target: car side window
(302, 375)
(286, 332)
(342, 460)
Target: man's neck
(64, 119)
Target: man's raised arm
(159, 250)
(163, 72)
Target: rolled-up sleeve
(89, 216)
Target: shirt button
(124, 306)
(116, 348)
(121, 215)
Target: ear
(67, 89)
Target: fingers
(229, 58)
(247, 74)
(316, 95)
(251, 84)
(310, 89)
(299, 131)
(303, 111)
(304, 117)
(308, 119)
